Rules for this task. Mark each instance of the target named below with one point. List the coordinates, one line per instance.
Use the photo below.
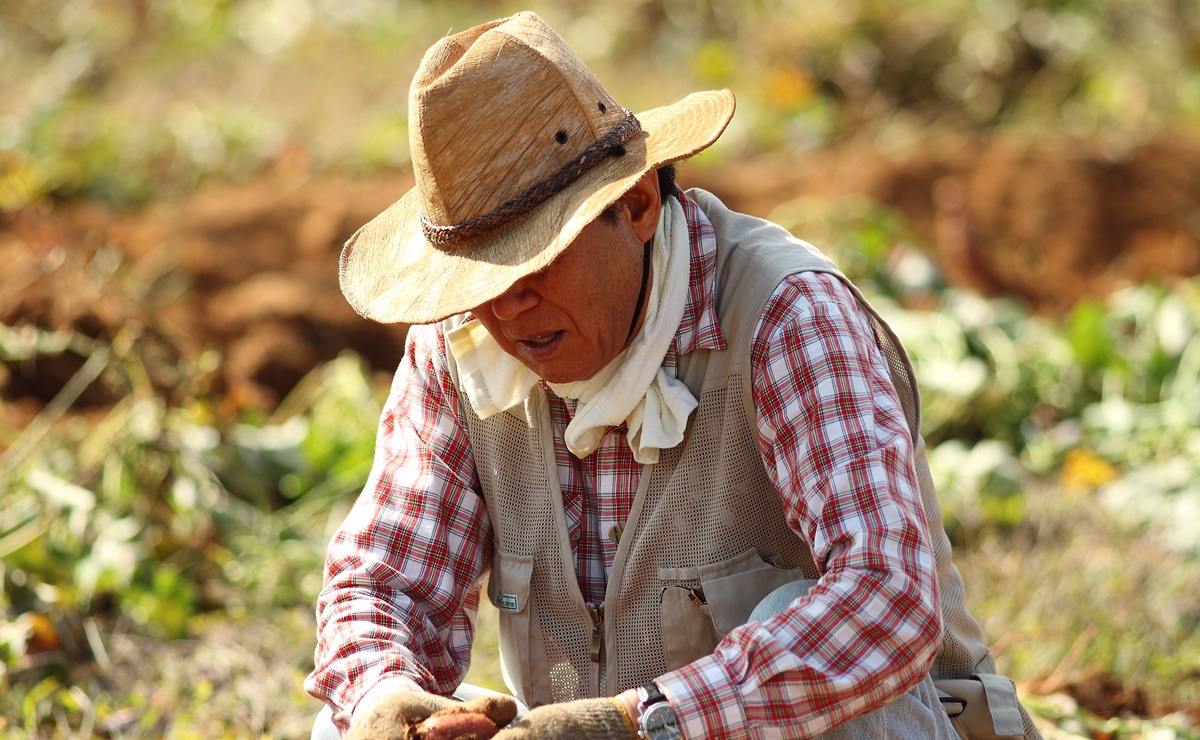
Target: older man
(638, 416)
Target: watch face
(658, 722)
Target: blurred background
(188, 406)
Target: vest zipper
(597, 613)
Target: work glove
(582, 719)
(417, 715)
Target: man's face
(571, 319)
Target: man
(636, 415)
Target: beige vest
(705, 520)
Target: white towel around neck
(633, 388)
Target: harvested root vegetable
(477, 719)
(499, 709)
(462, 726)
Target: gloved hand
(582, 719)
(416, 715)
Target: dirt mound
(250, 269)
(1048, 221)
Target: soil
(249, 269)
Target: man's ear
(643, 203)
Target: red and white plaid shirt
(403, 572)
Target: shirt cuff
(706, 700)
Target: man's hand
(415, 715)
(582, 719)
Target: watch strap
(650, 694)
(652, 701)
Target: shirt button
(614, 534)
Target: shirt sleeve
(402, 573)
(835, 443)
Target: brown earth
(250, 269)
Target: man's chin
(557, 363)
(559, 378)
(561, 374)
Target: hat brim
(391, 274)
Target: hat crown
(497, 109)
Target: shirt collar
(699, 328)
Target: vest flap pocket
(687, 628)
(732, 596)
(508, 586)
(984, 706)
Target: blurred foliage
(154, 516)
(235, 678)
(1106, 399)
(133, 100)
(166, 512)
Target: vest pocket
(703, 604)
(687, 627)
(508, 590)
(508, 586)
(733, 596)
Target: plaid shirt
(404, 570)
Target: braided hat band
(611, 144)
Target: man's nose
(512, 302)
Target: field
(187, 405)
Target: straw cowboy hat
(516, 147)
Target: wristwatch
(656, 718)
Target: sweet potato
(457, 726)
(499, 709)
(477, 719)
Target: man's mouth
(541, 344)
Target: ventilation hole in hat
(561, 137)
(616, 150)
(603, 108)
